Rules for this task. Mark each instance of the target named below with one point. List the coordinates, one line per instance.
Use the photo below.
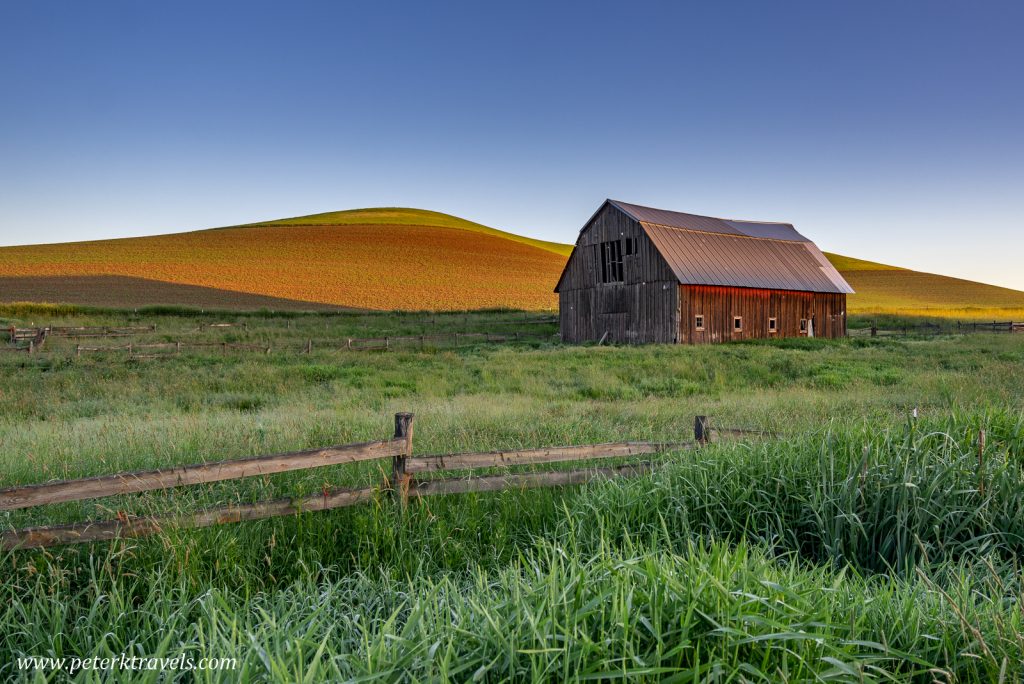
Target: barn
(640, 275)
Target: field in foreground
(388, 259)
(859, 547)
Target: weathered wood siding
(719, 305)
(643, 308)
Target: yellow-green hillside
(889, 289)
(398, 216)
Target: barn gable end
(639, 304)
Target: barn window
(698, 323)
(628, 247)
(803, 325)
(737, 323)
(611, 261)
(773, 325)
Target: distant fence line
(386, 343)
(100, 330)
(402, 484)
(961, 328)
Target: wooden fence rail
(99, 330)
(402, 485)
(960, 328)
(148, 480)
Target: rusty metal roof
(702, 250)
(709, 224)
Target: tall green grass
(776, 561)
(859, 547)
(555, 613)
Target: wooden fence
(36, 338)
(994, 326)
(936, 329)
(100, 330)
(402, 484)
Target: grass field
(389, 259)
(856, 548)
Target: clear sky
(892, 131)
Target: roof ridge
(705, 216)
(732, 235)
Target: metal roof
(710, 224)
(702, 250)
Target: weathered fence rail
(100, 330)
(402, 484)
(960, 328)
(994, 326)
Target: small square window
(629, 247)
(773, 325)
(698, 323)
(737, 323)
(803, 325)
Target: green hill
(397, 216)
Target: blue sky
(884, 130)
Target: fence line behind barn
(960, 328)
(402, 483)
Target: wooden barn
(639, 275)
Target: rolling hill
(364, 259)
(387, 258)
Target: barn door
(810, 326)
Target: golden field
(388, 259)
(890, 289)
(382, 266)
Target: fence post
(874, 331)
(399, 478)
(309, 346)
(701, 430)
(78, 351)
